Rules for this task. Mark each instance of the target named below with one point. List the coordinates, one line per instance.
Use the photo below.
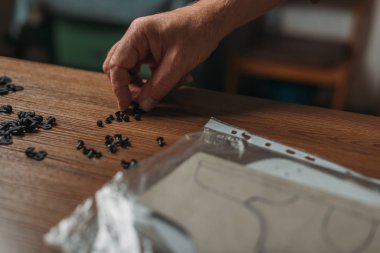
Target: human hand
(171, 43)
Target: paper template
(226, 207)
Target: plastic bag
(114, 220)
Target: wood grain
(35, 195)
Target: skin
(172, 44)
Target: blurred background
(325, 54)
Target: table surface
(34, 195)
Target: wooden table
(34, 196)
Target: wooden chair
(301, 61)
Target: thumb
(163, 80)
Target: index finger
(131, 49)
(120, 79)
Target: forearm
(227, 15)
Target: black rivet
(51, 120)
(125, 117)
(39, 156)
(10, 87)
(125, 143)
(30, 114)
(26, 122)
(91, 153)
(85, 150)
(6, 109)
(111, 117)
(38, 118)
(3, 91)
(119, 116)
(45, 126)
(112, 148)
(6, 140)
(30, 152)
(137, 117)
(108, 139)
(80, 144)
(160, 141)
(18, 88)
(5, 80)
(108, 120)
(136, 109)
(7, 86)
(18, 130)
(99, 123)
(118, 138)
(129, 164)
(133, 164)
(124, 164)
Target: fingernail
(147, 104)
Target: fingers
(185, 80)
(162, 81)
(106, 62)
(124, 58)
(120, 79)
(135, 91)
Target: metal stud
(125, 117)
(112, 148)
(160, 141)
(51, 120)
(108, 139)
(6, 109)
(137, 117)
(6, 141)
(124, 164)
(39, 156)
(80, 144)
(99, 123)
(133, 164)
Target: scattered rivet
(160, 141)
(6, 141)
(137, 117)
(125, 117)
(108, 120)
(51, 121)
(133, 164)
(39, 156)
(124, 164)
(80, 144)
(45, 126)
(6, 109)
(108, 139)
(112, 148)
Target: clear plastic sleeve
(114, 220)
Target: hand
(171, 43)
